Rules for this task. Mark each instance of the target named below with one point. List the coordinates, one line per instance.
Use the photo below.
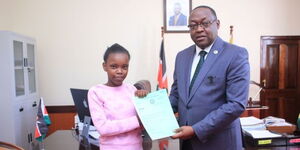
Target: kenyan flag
(42, 122)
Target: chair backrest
(9, 146)
(143, 85)
(85, 133)
(86, 126)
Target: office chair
(85, 133)
(143, 85)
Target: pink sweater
(115, 118)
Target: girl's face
(116, 67)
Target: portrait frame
(182, 9)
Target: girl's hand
(141, 93)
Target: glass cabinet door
(31, 68)
(19, 68)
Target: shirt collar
(207, 49)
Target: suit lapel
(187, 70)
(213, 54)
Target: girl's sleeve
(105, 126)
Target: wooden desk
(61, 139)
(255, 111)
(274, 148)
(68, 140)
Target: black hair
(211, 9)
(115, 48)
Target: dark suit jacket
(218, 97)
(182, 20)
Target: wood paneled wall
(62, 118)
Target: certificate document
(156, 114)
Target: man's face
(203, 36)
(177, 9)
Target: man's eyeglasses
(204, 24)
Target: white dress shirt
(197, 58)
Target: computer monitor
(81, 103)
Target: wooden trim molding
(61, 109)
(62, 117)
(267, 37)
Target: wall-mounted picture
(176, 14)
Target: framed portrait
(176, 14)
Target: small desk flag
(42, 122)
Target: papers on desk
(252, 123)
(275, 121)
(262, 134)
(91, 128)
(256, 128)
(247, 121)
(156, 114)
(94, 134)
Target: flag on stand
(162, 84)
(162, 70)
(231, 35)
(42, 122)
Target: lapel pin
(216, 52)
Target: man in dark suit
(209, 104)
(178, 19)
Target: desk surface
(61, 139)
(68, 140)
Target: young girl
(111, 106)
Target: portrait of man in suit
(210, 88)
(178, 19)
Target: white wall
(5, 14)
(72, 36)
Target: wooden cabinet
(18, 89)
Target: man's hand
(184, 132)
(141, 93)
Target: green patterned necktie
(202, 54)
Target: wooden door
(279, 74)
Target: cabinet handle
(34, 104)
(28, 138)
(264, 81)
(21, 109)
(25, 62)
